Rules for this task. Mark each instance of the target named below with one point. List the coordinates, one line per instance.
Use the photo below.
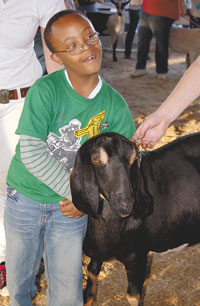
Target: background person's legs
(160, 27)
(133, 22)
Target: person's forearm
(185, 92)
(156, 124)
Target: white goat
(185, 41)
(109, 23)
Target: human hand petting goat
(151, 130)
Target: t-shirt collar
(95, 90)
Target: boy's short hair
(47, 32)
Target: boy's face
(71, 30)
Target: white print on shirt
(65, 147)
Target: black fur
(162, 197)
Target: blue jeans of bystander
(159, 27)
(34, 230)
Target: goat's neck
(120, 24)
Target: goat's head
(102, 170)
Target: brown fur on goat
(185, 41)
(109, 23)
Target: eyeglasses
(77, 48)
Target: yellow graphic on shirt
(93, 127)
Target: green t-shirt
(54, 112)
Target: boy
(62, 110)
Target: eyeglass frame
(81, 45)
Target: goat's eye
(95, 158)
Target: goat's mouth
(120, 211)
(124, 216)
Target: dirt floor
(174, 277)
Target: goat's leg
(188, 63)
(135, 265)
(94, 268)
(114, 50)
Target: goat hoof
(114, 59)
(133, 300)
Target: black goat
(135, 207)
(109, 23)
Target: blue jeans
(33, 231)
(159, 27)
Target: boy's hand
(69, 210)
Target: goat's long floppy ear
(143, 203)
(84, 188)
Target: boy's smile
(74, 32)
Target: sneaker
(162, 76)
(138, 72)
(3, 287)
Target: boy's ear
(56, 58)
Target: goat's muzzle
(125, 209)
(121, 206)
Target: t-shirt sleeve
(37, 112)
(47, 8)
(122, 119)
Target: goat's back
(184, 40)
(172, 177)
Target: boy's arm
(48, 170)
